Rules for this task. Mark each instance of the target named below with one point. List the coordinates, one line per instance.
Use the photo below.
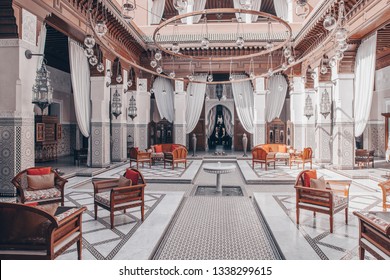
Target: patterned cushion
(42, 194)
(339, 201)
(103, 197)
(66, 214)
(282, 155)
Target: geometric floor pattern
(99, 240)
(158, 170)
(211, 228)
(342, 244)
(281, 170)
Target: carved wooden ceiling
(383, 47)
(266, 6)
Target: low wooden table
(374, 234)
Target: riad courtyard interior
(195, 129)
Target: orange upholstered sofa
(159, 150)
(282, 151)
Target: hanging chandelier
(308, 110)
(219, 91)
(325, 105)
(132, 110)
(116, 104)
(42, 89)
(128, 8)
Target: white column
(323, 130)
(259, 136)
(309, 124)
(100, 122)
(119, 124)
(343, 156)
(18, 74)
(297, 103)
(138, 128)
(179, 124)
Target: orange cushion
(158, 149)
(282, 149)
(311, 174)
(39, 171)
(132, 175)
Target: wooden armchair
(110, 195)
(328, 201)
(385, 187)
(305, 156)
(178, 155)
(260, 155)
(42, 232)
(364, 157)
(140, 157)
(43, 195)
(374, 234)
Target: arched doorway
(219, 125)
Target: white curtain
(157, 11)
(364, 82)
(164, 100)
(195, 100)
(243, 98)
(276, 97)
(210, 121)
(256, 5)
(281, 8)
(194, 6)
(227, 119)
(41, 44)
(79, 71)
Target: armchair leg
(96, 209)
(142, 212)
(331, 223)
(79, 248)
(164, 164)
(297, 214)
(346, 216)
(112, 219)
(314, 213)
(361, 253)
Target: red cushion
(311, 174)
(158, 149)
(39, 171)
(31, 204)
(132, 175)
(174, 147)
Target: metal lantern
(132, 110)
(219, 91)
(116, 104)
(42, 89)
(308, 109)
(325, 105)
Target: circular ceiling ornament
(266, 50)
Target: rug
(211, 228)
(99, 240)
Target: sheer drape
(281, 8)
(41, 43)
(195, 100)
(276, 97)
(210, 121)
(364, 82)
(227, 119)
(256, 5)
(164, 100)
(243, 98)
(79, 71)
(157, 11)
(197, 5)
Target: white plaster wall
(381, 94)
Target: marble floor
(268, 203)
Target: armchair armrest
(144, 155)
(306, 189)
(76, 213)
(105, 185)
(59, 181)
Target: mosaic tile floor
(208, 228)
(342, 244)
(99, 240)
